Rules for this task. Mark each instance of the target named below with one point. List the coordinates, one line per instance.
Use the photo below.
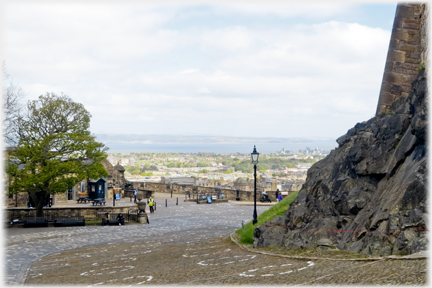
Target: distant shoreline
(217, 147)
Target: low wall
(89, 213)
(181, 189)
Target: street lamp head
(254, 156)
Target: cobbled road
(185, 244)
(180, 223)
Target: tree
(55, 149)
(12, 97)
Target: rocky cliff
(369, 195)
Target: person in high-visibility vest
(151, 202)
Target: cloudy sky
(201, 68)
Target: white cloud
(233, 39)
(137, 72)
(291, 9)
(203, 90)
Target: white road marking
(247, 274)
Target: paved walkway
(185, 243)
(186, 222)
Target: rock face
(369, 194)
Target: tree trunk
(39, 199)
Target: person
(105, 220)
(120, 219)
(280, 197)
(277, 195)
(151, 203)
(135, 192)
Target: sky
(273, 69)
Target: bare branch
(12, 108)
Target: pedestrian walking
(151, 203)
(280, 197)
(135, 193)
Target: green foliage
(135, 172)
(147, 174)
(203, 164)
(55, 149)
(264, 163)
(148, 167)
(279, 209)
(421, 67)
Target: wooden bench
(69, 221)
(35, 222)
(99, 201)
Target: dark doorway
(70, 194)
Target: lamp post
(254, 156)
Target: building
(94, 188)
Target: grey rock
(325, 242)
(368, 195)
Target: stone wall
(407, 51)
(424, 33)
(50, 213)
(17, 200)
(181, 189)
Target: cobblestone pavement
(186, 244)
(214, 261)
(184, 222)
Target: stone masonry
(407, 53)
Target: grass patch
(246, 233)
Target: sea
(265, 148)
